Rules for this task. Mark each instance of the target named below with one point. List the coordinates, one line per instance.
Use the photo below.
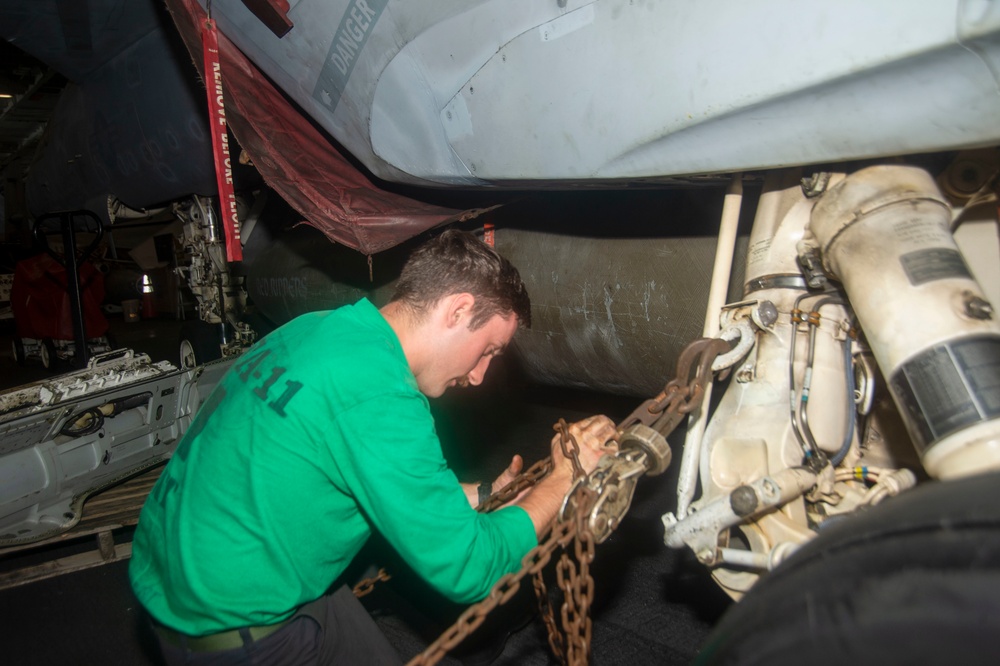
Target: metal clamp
(610, 487)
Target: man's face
(466, 354)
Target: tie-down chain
(591, 511)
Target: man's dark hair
(457, 262)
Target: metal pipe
(744, 559)
(717, 295)
(748, 559)
(700, 531)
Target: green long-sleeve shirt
(316, 436)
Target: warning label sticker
(933, 264)
(348, 41)
(949, 387)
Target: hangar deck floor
(651, 605)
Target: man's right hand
(595, 436)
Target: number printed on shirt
(262, 377)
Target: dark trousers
(335, 629)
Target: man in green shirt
(320, 434)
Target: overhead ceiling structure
(45, 45)
(28, 93)
(132, 126)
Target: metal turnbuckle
(609, 489)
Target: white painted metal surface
(491, 92)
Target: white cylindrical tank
(885, 233)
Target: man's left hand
(509, 474)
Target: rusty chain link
(521, 482)
(556, 642)
(572, 644)
(682, 394)
(570, 448)
(534, 562)
(561, 533)
(578, 585)
(664, 412)
(366, 586)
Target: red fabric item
(220, 142)
(40, 302)
(299, 162)
(272, 13)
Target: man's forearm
(594, 437)
(543, 501)
(471, 491)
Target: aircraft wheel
(19, 355)
(914, 580)
(199, 343)
(48, 354)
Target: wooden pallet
(109, 513)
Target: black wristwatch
(485, 490)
